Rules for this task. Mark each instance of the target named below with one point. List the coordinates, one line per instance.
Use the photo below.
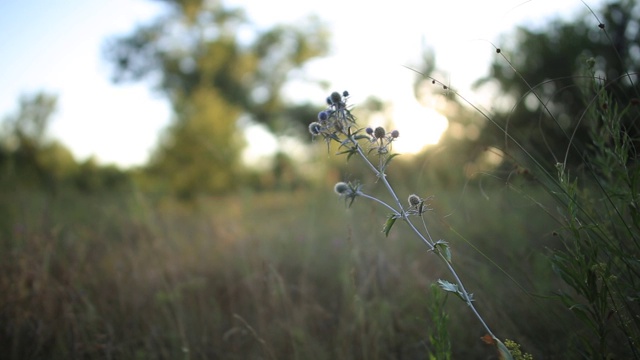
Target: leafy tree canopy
(547, 80)
(214, 67)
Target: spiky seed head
(395, 134)
(336, 98)
(414, 200)
(315, 128)
(323, 116)
(379, 132)
(345, 93)
(341, 188)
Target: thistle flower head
(379, 132)
(349, 191)
(414, 200)
(369, 131)
(345, 93)
(335, 121)
(418, 205)
(395, 134)
(341, 188)
(335, 97)
(315, 128)
(323, 116)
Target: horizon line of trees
(213, 78)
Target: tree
(556, 68)
(546, 78)
(28, 157)
(212, 76)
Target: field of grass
(278, 275)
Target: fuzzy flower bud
(379, 132)
(323, 116)
(315, 128)
(341, 188)
(345, 93)
(395, 134)
(336, 98)
(414, 200)
(369, 131)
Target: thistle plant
(374, 147)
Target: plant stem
(400, 212)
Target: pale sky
(56, 45)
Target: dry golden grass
(289, 275)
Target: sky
(57, 46)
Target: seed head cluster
(381, 140)
(414, 200)
(417, 205)
(337, 123)
(335, 120)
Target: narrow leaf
(389, 224)
(453, 288)
(443, 247)
(360, 137)
(386, 163)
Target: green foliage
(113, 274)
(601, 236)
(29, 159)
(542, 101)
(514, 348)
(569, 126)
(251, 275)
(578, 81)
(455, 289)
(26, 152)
(213, 77)
(540, 105)
(439, 338)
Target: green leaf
(389, 224)
(453, 288)
(350, 152)
(388, 160)
(447, 286)
(443, 247)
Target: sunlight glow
(419, 127)
(261, 146)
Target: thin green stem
(394, 211)
(429, 242)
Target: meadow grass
(594, 205)
(260, 275)
(551, 259)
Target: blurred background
(162, 198)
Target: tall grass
(597, 251)
(274, 275)
(552, 261)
